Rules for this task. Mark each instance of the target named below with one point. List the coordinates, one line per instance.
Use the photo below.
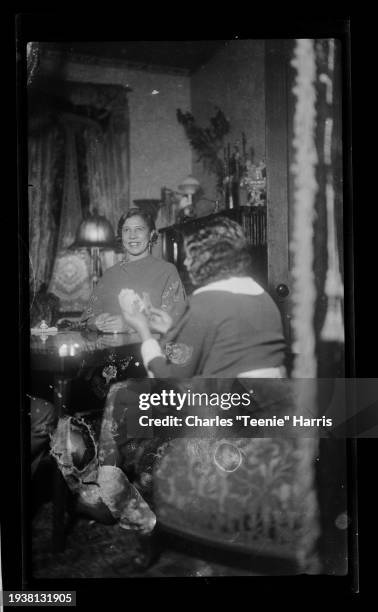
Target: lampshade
(189, 186)
(95, 231)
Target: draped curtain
(70, 280)
(78, 161)
(317, 210)
(104, 169)
(71, 212)
(45, 169)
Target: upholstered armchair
(253, 496)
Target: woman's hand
(159, 320)
(138, 321)
(100, 320)
(110, 323)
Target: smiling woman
(152, 281)
(137, 235)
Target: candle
(63, 350)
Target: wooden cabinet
(253, 222)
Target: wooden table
(66, 355)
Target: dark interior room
(185, 135)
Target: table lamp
(95, 233)
(189, 187)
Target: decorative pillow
(71, 280)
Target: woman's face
(136, 237)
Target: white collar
(244, 285)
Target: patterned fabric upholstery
(255, 494)
(252, 494)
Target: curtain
(316, 246)
(103, 149)
(78, 161)
(104, 171)
(103, 157)
(328, 224)
(70, 280)
(45, 171)
(317, 219)
(71, 213)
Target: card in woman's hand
(130, 301)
